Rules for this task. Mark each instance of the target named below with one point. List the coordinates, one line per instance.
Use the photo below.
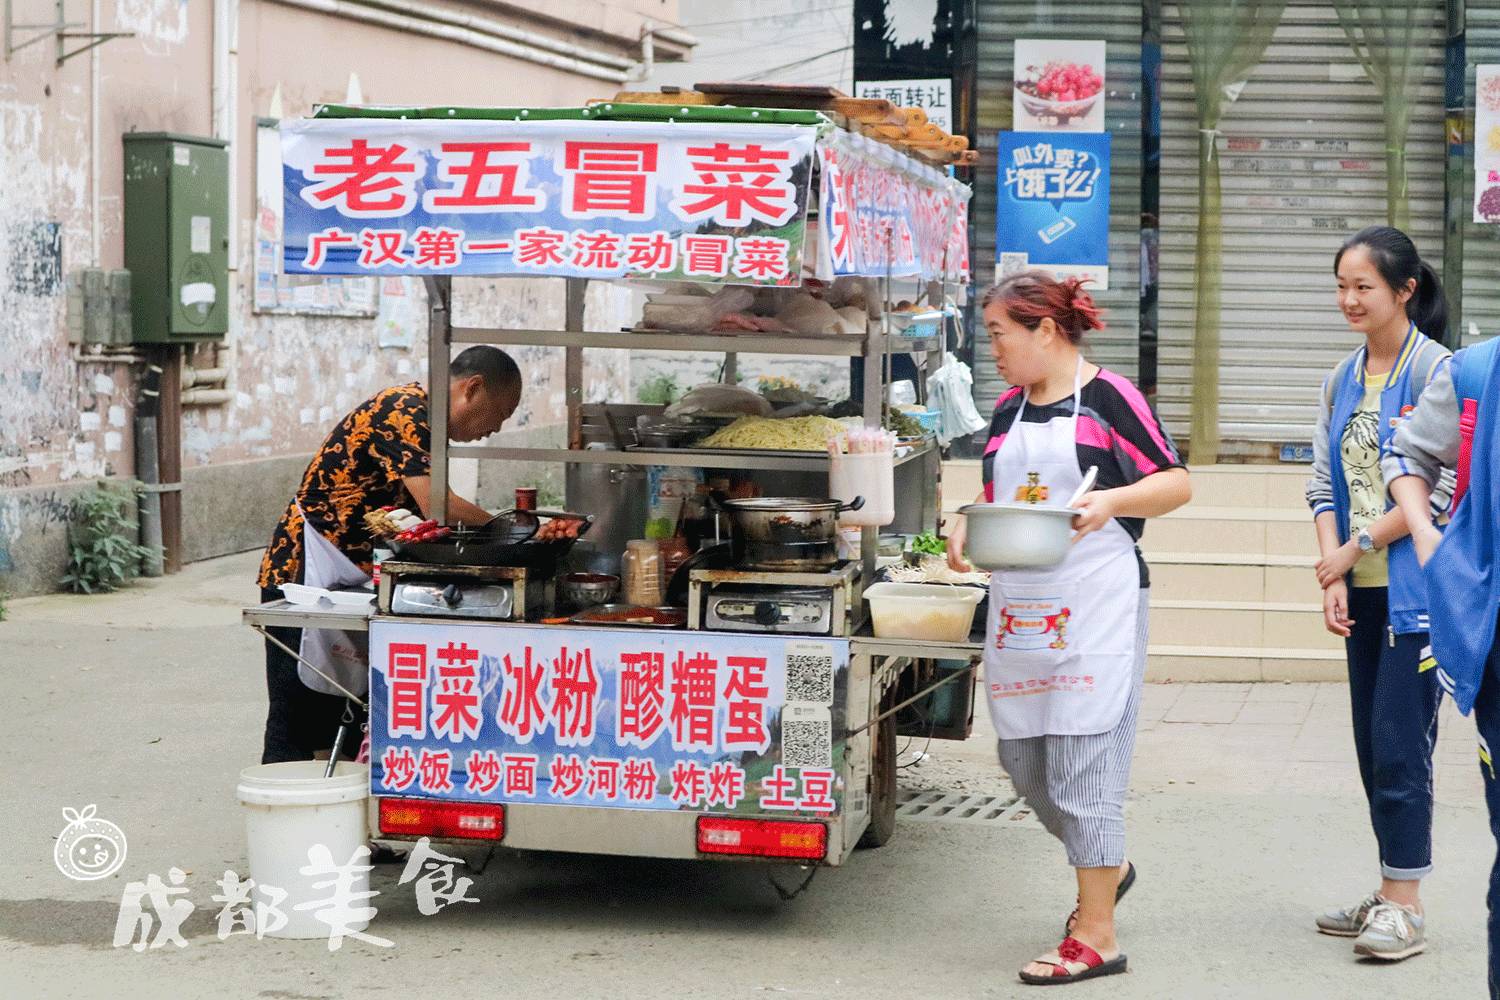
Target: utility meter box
(177, 237)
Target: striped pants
(1076, 784)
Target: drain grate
(936, 806)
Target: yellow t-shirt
(1360, 449)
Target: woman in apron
(1066, 650)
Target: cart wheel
(883, 768)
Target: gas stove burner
(491, 593)
(823, 602)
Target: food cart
(766, 730)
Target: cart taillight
(763, 838)
(443, 820)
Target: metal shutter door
(1303, 167)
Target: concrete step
(1245, 624)
(1228, 664)
(1233, 577)
(1253, 531)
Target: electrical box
(177, 237)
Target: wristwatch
(1366, 541)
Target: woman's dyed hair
(1032, 296)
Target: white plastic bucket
(289, 809)
(872, 476)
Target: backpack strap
(1471, 368)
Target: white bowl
(1017, 535)
(1040, 107)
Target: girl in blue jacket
(1373, 593)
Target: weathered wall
(65, 422)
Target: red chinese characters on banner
(640, 780)
(598, 251)
(455, 704)
(486, 177)
(568, 775)
(520, 775)
(604, 779)
(378, 247)
(406, 682)
(541, 248)
(484, 772)
(610, 179)
(777, 789)
(435, 770)
(761, 258)
(689, 782)
(438, 247)
(360, 180)
(640, 699)
(575, 692)
(694, 691)
(745, 697)
(318, 245)
(737, 185)
(707, 256)
(398, 768)
(817, 791)
(652, 252)
(726, 785)
(522, 712)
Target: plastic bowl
(1017, 535)
(932, 611)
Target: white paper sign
(1487, 143)
(935, 97)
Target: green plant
(102, 551)
(661, 390)
(3, 596)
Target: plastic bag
(950, 391)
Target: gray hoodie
(1425, 444)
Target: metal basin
(1017, 535)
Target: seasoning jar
(641, 569)
(525, 498)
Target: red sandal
(1072, 962)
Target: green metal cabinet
(177, 236)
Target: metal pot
(785, 533)
(667, 436)
(1017, 535)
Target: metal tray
(587, 617)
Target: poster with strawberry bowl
(1059, 85)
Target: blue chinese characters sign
(1052, 212)
(625, 718)
(689, 201)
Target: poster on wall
(934, 97)
(1059, 86)
(1487, 143)
(1052, 211)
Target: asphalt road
(1245, 819)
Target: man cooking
(378, 456)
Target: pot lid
(770, 504)
(1025, 508)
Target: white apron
(342, 655)
(1059, 657)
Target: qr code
(807, 743)
(809, 677)
(1013, 263)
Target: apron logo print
(1030, 631)
(1033, 491)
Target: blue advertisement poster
(624, 718)
(1052, 211)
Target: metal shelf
(677, 458)
(824, 345)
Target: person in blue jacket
(1373, 593)
(1457, 425)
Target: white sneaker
(1392, 932)
(1349, 921)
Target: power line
(762, 74)
(771, 17)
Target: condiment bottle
(641, 569)
(674, 552)
(525, 498)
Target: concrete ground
(1245, 819)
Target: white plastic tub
(932, 611)
(291, 808)
(871, 476)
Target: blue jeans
(1395, 710)
(1487, 720)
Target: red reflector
(762, 838)
(443, 820)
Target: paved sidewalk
(1245, 819)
